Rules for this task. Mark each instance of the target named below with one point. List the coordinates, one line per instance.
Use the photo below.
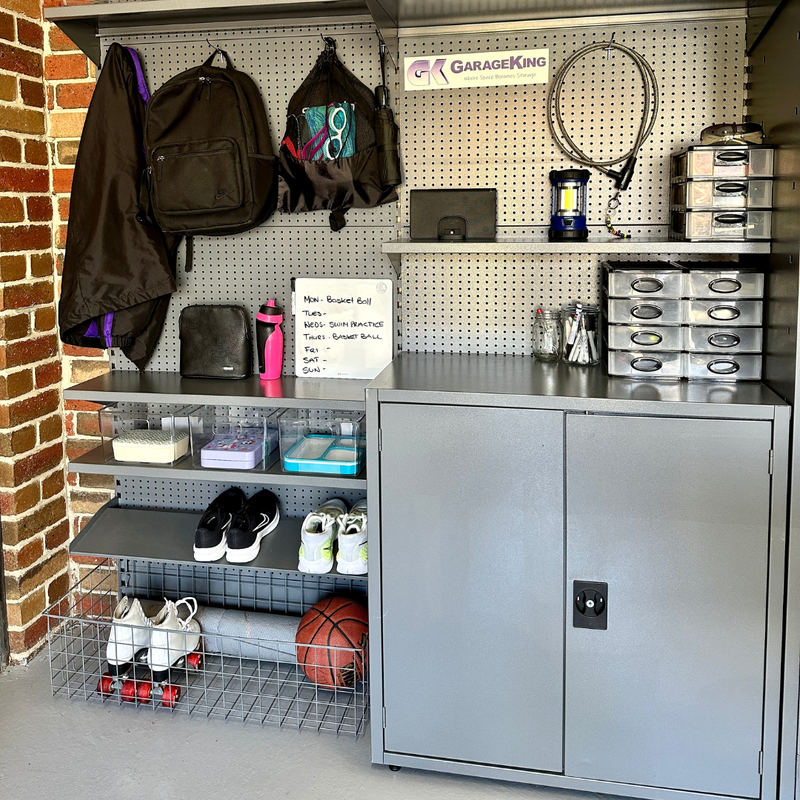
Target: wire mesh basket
(240, 677)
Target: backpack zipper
(204, 81)
(161, 159)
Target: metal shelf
(148, 535)
(639, 245)
(94, 463)
(170, 387)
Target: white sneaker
(172, 637)
(351, 558)
(129, 635)
(316, 537)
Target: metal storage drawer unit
(716, 367)
(651, 364)
(638, 310)
(723, 312)
(722, 340)
(635, 337)
(724, 193)
(649, 279)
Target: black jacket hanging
(329, 157)
(118, 273)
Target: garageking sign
(476, 69)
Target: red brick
(79, 447)
(29, 638)
(30, 350)
(63, 208)
(27, 294)
(40, 209)
(88, 424)
(61, 237)
(15, 327)
(58, 39)
(57, 536)
(10, 149)
(16, 560)
(14, 179)
(11, 209)
(57, 588)
(13, 268)
(32, 93)
(45, 319)
(32, 8)
(7, 27)
(14, 59)
(36, 152)
(61, 67)
(87, 502)
(90, 560)
(82, 352)
(20, 530)
(74, 95)
(81, 405)
(62, 181)
(30, 33)
(17, 384)
(51, 98)
(38, 463)
(25, 237)
(67, 151)
(14, 414)
(17, 586)
(18, 441)
(22, 120)
(41, 265)
(83, 370)
(51, 485)
(50, 429)
(20, 501)
(59, 263)
(48, 374)
(8, 87)
(90, 481)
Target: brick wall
(44, 86)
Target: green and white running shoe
(316, 537)
(351, 559)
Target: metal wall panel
(472, 548)
(674, 515)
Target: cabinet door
(674, 515)
(472, 565)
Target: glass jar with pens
(581, 341)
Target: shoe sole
(315, 567)
(247, 554)
(211, 553)
(351, 567)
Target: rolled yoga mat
(249, 634)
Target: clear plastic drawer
(640, 310)
(642, 280)
(716, 367)
(644, 337)
(724, 283)
(723, 340)
(725, 193)
(724, 161)
(723, 312)
(645, 365)
(705, 226)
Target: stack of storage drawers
(721, 193)
(683, 320)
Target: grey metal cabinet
(473, 583)
(674, 515)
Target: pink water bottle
(269, 338)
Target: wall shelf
(149, 535)
(94, 463)
(650, 245)
(169, 387)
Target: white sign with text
(506, 68)
(343, 327)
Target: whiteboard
(344, 327)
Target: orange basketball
(330, 624)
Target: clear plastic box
(322, 442)
(236, 438)
(716, 367)
(723, 161)
(147, 433)
(721, 193)
(723, 312)
(656, 279)
(709, 226)
(645, 311)
(644, 337)
(723, 340)
(649, 365)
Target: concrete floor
(70, 749)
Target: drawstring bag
(329, 155)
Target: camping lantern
(568, 208)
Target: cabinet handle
(721, 285)
(723, 366)
(730, 219)
(646, 338)
(732, 156)
(731, 188)
(724, 313)
(724, 340)
(646, 364)
(647, 285)
(646, 312)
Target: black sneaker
(210, 538)
(259, 517)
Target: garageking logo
(477, 69)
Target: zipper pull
(208, 89)
(160, 162)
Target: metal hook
(330, 43)
(610, 46)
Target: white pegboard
(246, 269)
(195, 495)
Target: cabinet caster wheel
(170, 696)
(394, 768)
